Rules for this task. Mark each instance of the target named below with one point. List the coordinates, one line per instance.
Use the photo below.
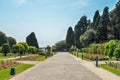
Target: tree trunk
(5, 54)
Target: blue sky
(49, 19)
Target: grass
(5, 73)
(42, 58)
(111, 69)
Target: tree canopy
(32, 40)
(70, 37)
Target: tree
(21, 49)
(15, 48)
(87, 38)
(70, 37)
(115, 21)
(3, 38)
(25, 46)
(32, 40)
(80, 28)
(49, 50)
(61, 46)
(32, 49)
(11, 41)
(101, 34)
(96, 19)
(5, 48)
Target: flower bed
(4, 64)
(30, 58)
(93, 56)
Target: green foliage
(32, 49)
(111, 69)
(96, 19)
(94, 48)
(1, 49)
(70, 37)
(80, 28)
(25, 46)
(101, 34)
(73, 48)
(18, 48)
(15, 48)
(3, 38)
(87, 38)
(5, 48)
(117, 51)
(11, 41)
(21, 48)
(60, 46)
(49, 50)
(115, 21)
(19, 69)
(110, 48)
(32, 40)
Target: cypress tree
(101, 34)
(96, 20)
(32, 40)
(80, 28)
(70, 37)
(115, 21)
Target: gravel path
(62, 66)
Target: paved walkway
(62, 66)
(17, 57)
(28, 62)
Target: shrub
(10, 54)
(110, 48)
(1, 54)
(93, 56)
(32, 49)
(117, 51)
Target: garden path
(62, 66)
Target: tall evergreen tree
(101, 34)
(115, 21)
(70, 37)
(96, 19)
(3, 38)
(32, 40)
(80, 28)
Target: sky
(49, 19)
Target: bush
(110, 48)
(10, 54)
(32, 49)
(1, 54)
(117, 51)
(93, 56)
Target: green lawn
(5, 73)
(111, 69)
(42, 58)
